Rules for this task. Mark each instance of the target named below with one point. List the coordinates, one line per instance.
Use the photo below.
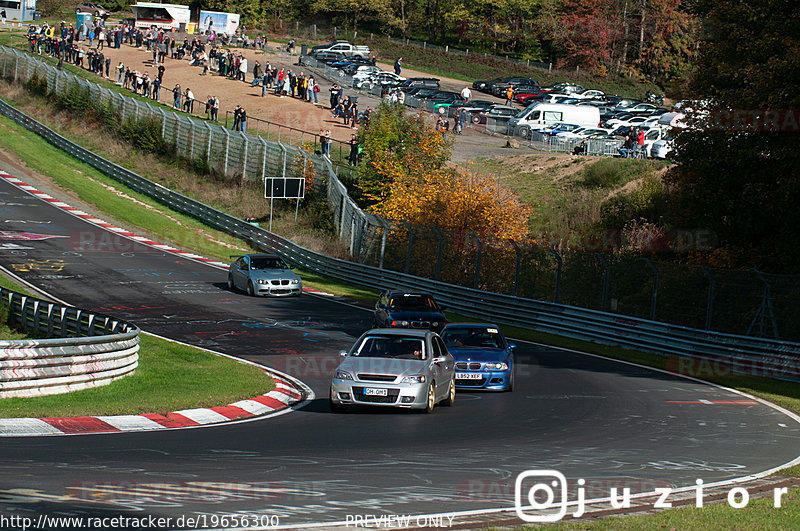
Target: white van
(541, 115)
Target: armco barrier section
(774, 358)
(86, 349)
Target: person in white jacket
(243, 69)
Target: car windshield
(412, 302)
(267, 263)
(472, 338)
(387, 346)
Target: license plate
(468, 376)
(375, 392)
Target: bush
(145, 134)
(646, 201)
(610, 173)
(36, 85)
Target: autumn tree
(406, 178)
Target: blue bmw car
(484, 359)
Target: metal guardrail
(773, 358)
(86, 349)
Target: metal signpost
(284, 188)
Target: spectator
(353, 158)
(176, 94)
(120, 72)
(398, 66)
(215, 108)
(466, 94)
(243, 120)
(509, 95)
(189, 104)
(236, 113)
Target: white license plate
(468, 376)
(375, 392)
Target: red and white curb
(122, 232)
(282, 397)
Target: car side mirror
(512, 346)
(439, 360)
(343, 353)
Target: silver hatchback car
(395, 367)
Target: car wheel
(251, 291)
(431, 402)
(476, 119)
(511, 380)
(451, 394)
(230, 283)
(525, 132)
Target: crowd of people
(84, 47)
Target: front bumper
(270, 290)
(497, 380)
(350, 392)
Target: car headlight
(262, 281)
(343, 375)
(496, 366)
(296, 281)
(420, 378)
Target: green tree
(743, 182)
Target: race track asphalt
(613, 424)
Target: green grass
(170, 377)
(611, 172)
(71, 174)
(760, 514)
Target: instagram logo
(541, 495)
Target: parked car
(484, 86)
(499, 88)
(555, 129)
(583, 132)
(565, 88)
(399, 368)
(421, 82)
(443, 99)
(483, 357)
(350, 61)
(361, 72)
(263, 274)
(541, 115)
(402, 309)
(494, 114)
(383, 79)
(469, 106)
(95, 9)
(329, 57)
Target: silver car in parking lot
(395, 367)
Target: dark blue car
(484, 359)
(402, 309)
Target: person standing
(243, 120)
(398, 66)
(236, 113)
(120, 72)
(215, 108)
(353, 158)
(176, 95)
(466, 94)
(509, 95)
(3, 16)
(189, 104)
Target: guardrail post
(654, 296)
(478, 259)
(559, 263)
(208, 147)
(244, 156)
(410, 243)
(227, 148)
(518, 252)
(710, 298)
(36, 315)
(606, 279)
(263, 159)
(23, 307)
(50, 308)
(765, 311)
